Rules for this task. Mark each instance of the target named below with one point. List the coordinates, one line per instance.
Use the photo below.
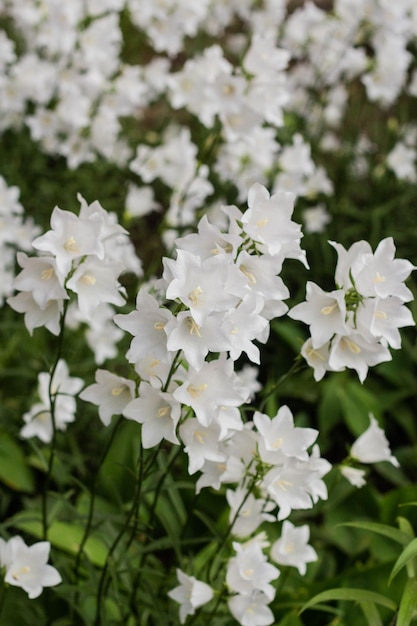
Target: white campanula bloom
(209, 389)
(268, 221)
(209, 241)
(249, 570)
(69, 239)
(324, 312)
(251, 610)
(27, 566)
(195, 341)
(380, 274)
(39, 276)
(201, 444)
(354, 351)
(35, 316)
(402, 161)
(355, 476)
(373, 446)
(157, 411)
(297, 484)
(382, 317)
(353, 325)
(201, 284)
(280, 440)
(292, 547)
(147, 325)
(110, 393)
(190, 594)
(247, 512)
(95, 282)
(62, 390)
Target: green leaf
(405, 557)
(14, 471)
(371, 614)
(408, 603)
(354, 595)
(64, 536)
(381, 529)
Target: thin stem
(3, 592)
(93, 497)
(118, 538)
(298, 365)
(137, 579)
(52, 394)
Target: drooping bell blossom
(373, 446)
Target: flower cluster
(355, 325)
(227, 288)
(82, 259)
(27, 566)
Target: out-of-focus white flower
(354, 475)
(292, 547)
(373, 446)
(190, 594)
(27, 567)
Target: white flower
(71, 238)
(251, 610)
(190, 594)
(354, 475)
(324, 312)
(110, 393)
(373, 446)
(292, 547)
(157, 411)
(250, 571)
(27, 567)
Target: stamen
(116, 391)
(261, 223)
(163, 411)
(251, 278)
(71, 245)
(194, 296)
(327, 310)
(159, 325)
(194, 328)
(89, 280)
(196, 390)
(379, 279)
(381, 315)
(47, 274)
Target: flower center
(196, 390)
(71, 245)
(47, 274)
(194, 296)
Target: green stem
(93, 497)
(52, 400)
(118, 538)
(298, 365)
(137, 579)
